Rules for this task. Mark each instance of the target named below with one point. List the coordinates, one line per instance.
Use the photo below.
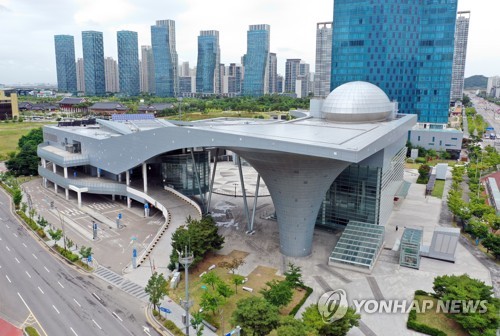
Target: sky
(27, 29)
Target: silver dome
(357, 102)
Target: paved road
(64, 301)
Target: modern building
(93, 60)
(207, 69)
(165, 58)
(303, 81)
(354, 133)
(185, 85)
(292, 71)
(493, 87)
(184, 70)
(323, 59)
(147, 70)
(8, 106)
(80, 75)
(112, 83)
(405, 48)
(273, 73)
(65, 63)
(128, 62)
(234, 73)
(459, 55)
(256, 80)
(279, 84)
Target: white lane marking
(46, 269)
(8, 249)
(0, 238)
(17, 261)
(28, 274)
(14, 235)
(7, 225)
(96, 324)
(34, 256)
(8, 278)
(118, 317)
(60, 284)
(74, 332)
(77, 303)
(41, 290)
(25, 245)
(56, 309)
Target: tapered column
(145, 176)
(54, 169)
(67, 193)
(65, 172)
(297, 184)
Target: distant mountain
(476, 82)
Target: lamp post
(179, 99)
(186, 259)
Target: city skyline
(31, 26)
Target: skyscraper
(273, 72)
(323, 59)
(292, 70)
(256, 79)
(65, 63)
(165, 58)
(405, 48)
(128, 62)
(147, 70)
(459, 55)
(207, 70)
(80, 75)
(93, 59)
(234, 78)
(111, 75)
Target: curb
(154, 323)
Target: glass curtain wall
(178, 172)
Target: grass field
(438, 189)
(10, 134)
(438, 320)
(192, 116)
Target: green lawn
(10, 134)
(438, 189)
(438, 320)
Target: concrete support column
(54, 167)
(98, 172)
(120, 177)
(297, 184)
(66, 172)
(67, 193)
(79, 193)
(127, 177)
(113, 197)
(145, 176)
(44, 163)
(129, 202)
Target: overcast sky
(28, 27)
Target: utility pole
(186, 260)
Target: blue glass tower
(404, 47)
(165, 58)
(65, 63)
(93, 63)
(256, 80)
(207, 69)
(128, 62)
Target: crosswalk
(72, 212)
(102, 205)
(121, 283)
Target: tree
(85, 252)
(211, 279)
(479, 229)
(313, 320)
(294, 275)
(224, 289)
(156, 288)
(211, 301)
(232, 265)
(255, 316)
(290, 326)
(279, 293)
(17, 196)
(197, 323)
(25, 162)
(55, 235)
(492, 244)
(238, 280)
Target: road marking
(96, 324)
(17, 261)
(56, 309)
(74, 332)
(8, 278)
(34, 256)
(146, 330)
(97, 297)
(32, 313)
(14, 235)
(25, 245)
(28, 274)
(118, 317)
(41, 290)
(7, 225)
(8, 249)
(79, 305)
(60, 284)
(46, 269)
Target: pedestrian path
(102, 205)
(121, 283)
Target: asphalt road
(35, 285)
(491, 113)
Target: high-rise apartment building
(112, 84)
(184, 70)
(292, 70)
(493, 87)
(405, 48)
(65, 63)
(256, 79)
(165, 58)
(147, 70)
(128, 62)
(323, 59)
(93, 59)
(279, 84)
(80, 75)
(207, 70)
(273, 72)
(459, 55)
(234, 73)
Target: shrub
(67, 254)
(173, 328)
(31, 331)
(295, 309)
(421, 292)
(41, 233)
(425, 329)
(155, 313)
(420, 160)
(31, 223)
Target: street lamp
(179, 99)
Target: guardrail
(185, 198)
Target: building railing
(69, 160)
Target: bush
(173, 328)
(295, 309)
(155, 313)
(420, 160)
(31, 223)
(41, 233)
(67, 254)
(425, 329)
(421, 292)
(31, 331)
